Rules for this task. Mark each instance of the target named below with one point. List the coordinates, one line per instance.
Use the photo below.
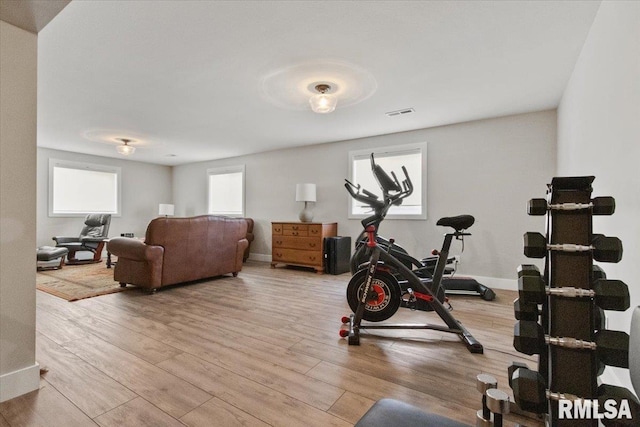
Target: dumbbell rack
(570, 371)
(569, 211)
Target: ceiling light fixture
(323, 102)
(125, 149)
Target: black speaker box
(337, 253)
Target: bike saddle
(459, 223)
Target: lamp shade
(165, 209)
(305, 192)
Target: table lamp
(306, 193)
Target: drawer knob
(312, 245)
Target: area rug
(75, 282)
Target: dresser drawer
(295, 256)
(276, 228)
(295, 230)
(315, 230)
(295, 242)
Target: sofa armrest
(134, 249)
(242, 245)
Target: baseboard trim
(260, 257)
(17, 383)
(490, 282)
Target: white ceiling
(185, 78)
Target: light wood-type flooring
(260, 349)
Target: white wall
(599, 134)
(487, 168)
(19, 372)
(144, 187)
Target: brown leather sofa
(178, 250)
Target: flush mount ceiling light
(125, 149)
(323, 102)
(292, 87)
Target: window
(413, 157)
(226, 191)
(78, 189)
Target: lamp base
(306, 215)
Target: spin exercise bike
(374, 293)
(423, 268)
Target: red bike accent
(380, 296)
(371, 236)
(424, 297)
(427, 298)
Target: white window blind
(226, 191)
(80, 189)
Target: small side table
(106, 241)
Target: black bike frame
(377, 254)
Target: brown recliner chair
(91, 238)
(249, 238)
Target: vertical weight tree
(560, 311)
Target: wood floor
(260, 349)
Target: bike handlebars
(367, 198)
(392, 191)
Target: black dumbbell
(529, 391)
(597, 273)
(605, 249)
(484, 382)
(512, 369)
(598, 206)
(611, 347)
(528, 270)
(531, 394)
(521, 309)
(610, 393)
(607, 294)
(525, 310)
(599, 319)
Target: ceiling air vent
(400, 112)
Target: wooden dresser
(300, 243)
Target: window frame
(68, 164)
(222, 170)
(394, 150)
